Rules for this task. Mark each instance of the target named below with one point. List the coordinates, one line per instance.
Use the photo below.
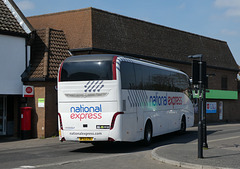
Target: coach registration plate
(85, 138)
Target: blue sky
(218, 19)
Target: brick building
(49, 49)
(90, 31)
(15, 37)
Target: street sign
(28, 91)
(211, 107)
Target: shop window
(224, 85)
(239, 86)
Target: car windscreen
(86, 70)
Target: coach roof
(95, 57)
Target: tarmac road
(52, 154)
(167, 151)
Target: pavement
(9, 143)
(182, 151)
(223, 149)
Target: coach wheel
(148, 134)
(183, 126)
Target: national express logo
(164, 100)
(85, 112)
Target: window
(224, 85)
(127, 75)
(180, 82)
(86, 70)
(238, 85)
(141, 77)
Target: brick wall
(44, 119)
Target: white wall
(12, 64)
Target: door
(3, 115)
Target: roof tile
(8, 22)
(56, 49)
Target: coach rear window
(84, 71)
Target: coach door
(3, 115)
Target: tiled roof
(94, 28)
(58, 52)
(76, 25)
(8, 23)
(49, 49)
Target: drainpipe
(26, 53)
(46, 53)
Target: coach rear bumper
(85, 135)
(97, 130)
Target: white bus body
(115, 98)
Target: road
(50, 153)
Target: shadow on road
(127, 147)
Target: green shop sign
(219, 94)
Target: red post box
(26, 122)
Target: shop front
(3, 115)
(10, 115)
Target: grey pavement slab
(185, 155)
(223, 151)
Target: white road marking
(228, 138)
(73, 161)
(221, 139)
(24, 167)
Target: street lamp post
(205, 145)
(200, 122)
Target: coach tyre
(148, 133)
(183, 125)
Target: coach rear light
(60, 121)
(114, 119)
(111, 139)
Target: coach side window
(139, 69)
(143, 77)
(181, 82)
(127, 75)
